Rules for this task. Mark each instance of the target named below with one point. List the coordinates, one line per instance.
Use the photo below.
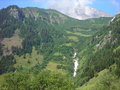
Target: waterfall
(113, 19)
(75, 60)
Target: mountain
(43, 32)
(104, 62)
(45, 49)
(83, 13)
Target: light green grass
(2, 79)
(68, 44)
(78, 34)
(85, 30)
(74, 38)
(29, 60)
(52, 66)
(118, 48)
(57, 54)
(81, 34)
(104, 81)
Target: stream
(75, 60)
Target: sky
(109, 6)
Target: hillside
(104, 80)
(33, 40)
(102, 65)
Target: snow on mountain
(82, 13)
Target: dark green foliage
(6, 64)
(8, 24)
(61, 67)
(117, 61)
(1, 51)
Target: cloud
(72, 8)
(65, 5)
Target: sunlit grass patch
(52, 66)
(74, 38)
(68, 44)
(57, 54)
(78, 34)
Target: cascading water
(75, 59)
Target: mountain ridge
(83, 13)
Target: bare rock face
(106, 39)
(16, 12)
(82, 13)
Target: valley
(43, 49)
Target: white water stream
(113, 19)
(75, 59)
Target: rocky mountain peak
(82, 13)
(16, 12)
